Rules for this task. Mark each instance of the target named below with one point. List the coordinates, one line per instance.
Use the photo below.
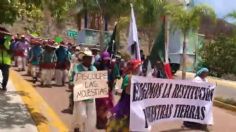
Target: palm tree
(149, 17)
(187, 20)
(232, 15)
(106, 9)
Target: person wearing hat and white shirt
(74, 57)
(84, 112)
(47, 64)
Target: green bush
(220, 56)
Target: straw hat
(85, 52)
(63, 44)
(51, 44)
(95, 49)
(22, 36)
(35, 41)
(77, 48)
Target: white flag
(133, 43)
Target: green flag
(58, 39)
(111, 48)
(35, 35)
(158, 49)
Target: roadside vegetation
(230, 101)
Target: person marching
(96, 55)
(47, 64)
(21, 53)
(75, 51)
(121, 112)
(200, 77)
(63, 63)
(158, 70)
(34, 58)
(13, 48)
(84, 112)
(104, 105)
(5, 56)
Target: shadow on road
(14, 114)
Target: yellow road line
(45, 118)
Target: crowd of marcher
(52, 63)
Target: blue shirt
(63, 54)
(34, 54)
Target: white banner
(154, 100)
(89, 85)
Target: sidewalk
(14, 116)
(44, 116)
(225, 88)
(218, 81)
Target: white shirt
(199, 80)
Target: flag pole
(167, 39)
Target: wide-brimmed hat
(133, 64)
(51, 44)
(63, 44)
(85, 52)
(22, 36)
(35, 41)
(117, 56)
(77, 47)
(95, 49)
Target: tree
(60, 8)
(232, 15)
(12, 9)
(150, 17)
(220, 55)
(105, 10)
(187, 20)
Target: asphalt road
(57, 98)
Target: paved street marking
(43, 115)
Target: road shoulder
(43, 115)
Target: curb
(224, 105)
(218, 81)
(46, 120)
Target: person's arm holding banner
(121, 112)
(88, 85)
